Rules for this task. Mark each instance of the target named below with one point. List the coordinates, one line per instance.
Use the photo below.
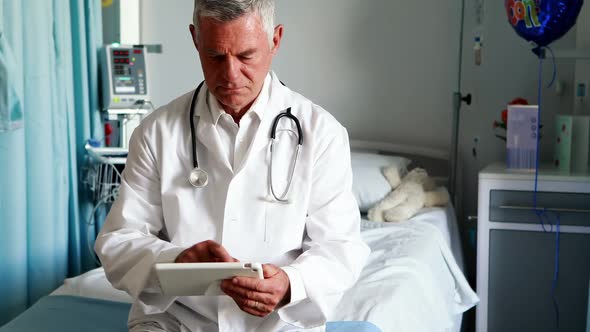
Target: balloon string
(554, 66)
(541, 213)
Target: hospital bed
(413, 280)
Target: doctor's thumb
(270, 270)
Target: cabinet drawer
(521, 270)
(517, 207)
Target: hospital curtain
(48, 52)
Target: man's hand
(205, 252)
(259, 297)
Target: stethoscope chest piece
(198, 178)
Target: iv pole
(457, 99)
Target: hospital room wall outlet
(410, 193)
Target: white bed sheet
(412, 281)
(92, 284)
(443, 218)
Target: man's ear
(276, 39)
(193, 31)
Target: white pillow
(368, 183)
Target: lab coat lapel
(276, 103)
(206, 133)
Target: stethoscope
(199, 178)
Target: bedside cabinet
(516, 257)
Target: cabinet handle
(516, 207)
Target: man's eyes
(220, 58)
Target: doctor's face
(235, 57)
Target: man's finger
(258, 306)
(251, 284)
(189, 255)
(204, 257)
(246, 293)
(206, 251)
(252, 307)
(254, 312)
(245, 302)
(270, 270)
(217, 250)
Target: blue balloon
(542, 21)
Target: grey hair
(228, 10)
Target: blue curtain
(48, 70)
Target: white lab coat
(315, 238)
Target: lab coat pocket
(276, 223)
(284, 226)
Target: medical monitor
(124, 77)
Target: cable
(556, 272)
(542, 213)
(537, 153)
(90, 224)
(141, 102)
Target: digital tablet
(188, 279)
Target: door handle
(467, 99)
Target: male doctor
(311, 246)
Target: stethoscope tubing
(192, 122)
(196, 171)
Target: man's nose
(231, 69)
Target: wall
(385, 70)
(177, 69)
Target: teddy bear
(410, 193)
